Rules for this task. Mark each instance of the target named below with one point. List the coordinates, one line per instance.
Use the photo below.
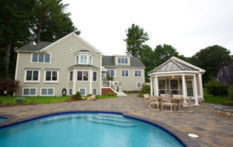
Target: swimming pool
(2, 119)
(86, 129)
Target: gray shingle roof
(110, 61)
(37, 47)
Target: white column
(184, 88)
(195, 89)
(200, 85)
(74, 81)
(90, 79)
(151, 86)
(156, 88)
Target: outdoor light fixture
(172, 76)
(193, 135)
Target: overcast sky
(187, 25)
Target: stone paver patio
(212, 130)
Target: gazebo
(176, 76)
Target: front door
(189, 84)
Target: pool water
(2, 119)
(86, 130)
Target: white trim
(173, 72)
(135, 71)
(91, 78)
(82, 76)
(79, 59)
(170, 84)
(47, 91)
(100, 81)
(71, 91)
(29, 91)
(31, 81)
(57, 81)
(50, 58)
(165, 84)
(117, 57)
(85, 91)
(124, 76)
(17, 66)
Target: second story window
(32, 76)
(122, 60)
(111, 72)
(124, 73)
(40, 58)
(51, 76)
(83, 59)
(137, 73)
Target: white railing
(112, 84)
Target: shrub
(130, 91)
(9, 85)
(216, 88)
(144, 90)
(77, 96)
(110, 94)
(231, 91)
(88, 95)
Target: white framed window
(51, 76)
(94, 76)
(90, 59)
(139, 85)
(137, 73)
(70, 91)
(83, 59)
(47, 92)
(162, 84)
(122, 60)
(32, 75)
(94, 91)
(82, 91)
(82, 75)
(29, 92)
(174, 84)
(40, 58)
(124, 73)
(111, 72)
(71, 76)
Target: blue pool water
(2, 119)
(86, 130)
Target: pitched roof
(31, 47)
(175, 64)
(110, 61)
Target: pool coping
(180, 136)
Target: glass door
(189, 84)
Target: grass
(105, 96)
(33, 100)
(217, 99)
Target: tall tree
(136, 37)
(210, 59)
(15, 21)
(51, 22)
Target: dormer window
(83, 59)
(41, 58)
(123, 60)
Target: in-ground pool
(2, 119)
(86, 129)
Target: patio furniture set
(174, 102)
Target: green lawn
(33, 100)
(105, 96)
(217, 99)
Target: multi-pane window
(40, 57)
(47, 91)
(174, 84)
(32, 75)
(70, 91)
(111, 72)
(90, 59)
(51, 76)
(82, 76)
(29, 91)
(94, 76)
(82, 91)
(162, 84)
(71, 76)
(138, 73)
(122, 60)
(94, 91)
(124, 73)
(83, 59)
(139, 85)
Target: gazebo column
(151, 86)
(184, 88)
(156, 86)
(195, 89)
(200, 85)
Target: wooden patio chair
(146, 98)
(167, 102)
(188, 104)
(154, 102)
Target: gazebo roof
(176, 64)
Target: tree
(136, 37)
(15, 21)
(51, 22)
(210, 59)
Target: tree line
(27, 21)
(209, 58)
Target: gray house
(70, 64)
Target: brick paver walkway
(213, 130)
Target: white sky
(187, 25)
